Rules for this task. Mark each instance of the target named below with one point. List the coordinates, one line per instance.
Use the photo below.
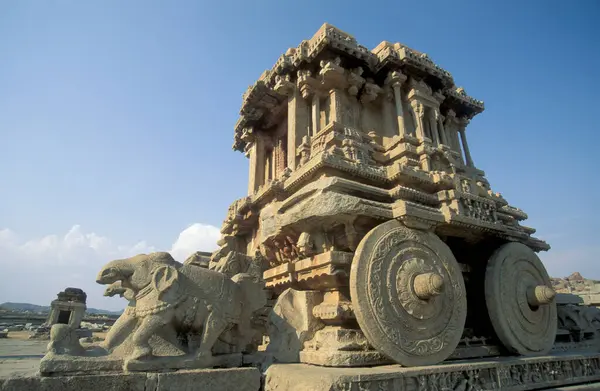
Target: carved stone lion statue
(187, 306)
(189, 298)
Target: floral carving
(405, 327)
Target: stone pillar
(260, 150)
(252, 156)
(433, 126)
(395, 80)
(77, 313)
(450, 127)
(419, 110)
(281, 161)
(465, 145)
(399, 110)
(271, 165)
(316, 113)
(53, 316)
(439, 119)
(268, 169)
(388, 114)
(335, 111)
(298, 113)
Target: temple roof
(262, 98)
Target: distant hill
(95, 311)
(22, 307)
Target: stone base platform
(231, 379)
(558, 372)
(62, 365)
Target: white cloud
(194, 238)
(35, 270)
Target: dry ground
(20, 356)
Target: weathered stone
(507, 374)
(398, 322)
(111, 382)
(523, 318)
(238, 379)
(291, 324)
(68, 308)
(168, 301)
(371, 227)
(384, 149)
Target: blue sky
(116, 118)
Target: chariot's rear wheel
(408, 294)
(520, 300)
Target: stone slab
(343, 359)
(69, 365)
(506, 373)
(232, 379)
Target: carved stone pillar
(388, 115)
(433, 126)
(252, 156)
(335, 111)
(399, 110)
(261, 160)
(281, 158)
(298, 125)
(439, 119)
(395, 79)
(316, 113)
(419, 110)
(465, 145)
(450, 126)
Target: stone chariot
(368, 237)
(363, 192)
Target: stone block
(54, 365)
(340, 347)
(506, 373)
(234, 379)
(108, 382)
(291, 323)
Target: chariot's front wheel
(408, 294)
(520, 300)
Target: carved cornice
(259, 99)
(276, 84)
(458, 98)
(398, 55)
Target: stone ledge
(233, 379)
(507, 374)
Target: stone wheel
(520, 300)
(408, 294)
